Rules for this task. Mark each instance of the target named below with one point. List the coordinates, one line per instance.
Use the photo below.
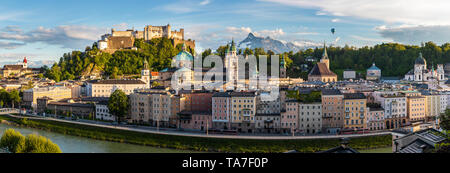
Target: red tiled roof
(320, 69)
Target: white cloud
(12, 29)
(237, 32)
(67, 36)
(370, 39)
(417, 12)
(271, 33)
(13, 16)
(408, 21)
(10, 45)
(121, 26)
(178, 9)
(321, 13)
(205, 2)
(335, 20)
(14, 57)
(416, 34)
(184, 6)
(306, 33)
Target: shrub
(40, 144)
(15, 142)
(12, 141)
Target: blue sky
(44, 30)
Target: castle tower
(145, 73)
(283, 67)
(168, 31)
(324, 58)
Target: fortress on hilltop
(117, 40)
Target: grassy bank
(198, 143)
(378, 150)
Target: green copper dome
(184, 56)
(420, 59)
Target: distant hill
(276, 46)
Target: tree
(445, 120)
(206, 53)
(156, 84)
(14, 97)
(118, 104)
(29, 85)
(4, 96)
(40, 76)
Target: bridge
(6, 111)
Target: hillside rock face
(276, 46)
(92, 70)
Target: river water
(75, 144)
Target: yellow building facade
(355, 110)
(416, 106)
(30, 96)
(243, 110)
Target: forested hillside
(158, 53)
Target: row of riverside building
(336, 111)
(245, 112)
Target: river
(75, 144)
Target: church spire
(146, 67)
(233, 46)
(325, 54)
(283, 62)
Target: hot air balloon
(333, 30)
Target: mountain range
(277, 46)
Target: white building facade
(310, 118)
(102, 112)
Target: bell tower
(283, 67)
(324, 58)
(145, 73)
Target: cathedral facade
(421, 73)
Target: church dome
(184, 56)
(374, 67)
(420, 60)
